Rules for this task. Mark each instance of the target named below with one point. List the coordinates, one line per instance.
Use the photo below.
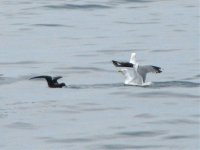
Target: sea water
(78, 40)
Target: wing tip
(44, 76)
(157, 69)
(115, 63)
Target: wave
(185, 84)
(78, 6)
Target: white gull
(134, 73)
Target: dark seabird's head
(62, 84)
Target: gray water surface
(96, 111)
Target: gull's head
(133, 58)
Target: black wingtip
(31, 78)
(44, 76)
(34, 78)
(57, 77)
(122, 64)
(158, 69)
(115, 63)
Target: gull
(134, 73)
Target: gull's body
(134, 73)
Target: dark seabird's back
(52, 82)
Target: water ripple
(142, 133)
(115, 51)
(10, 80)
(175, 84)
(52, 25)
(145, 115)
(134, 1)
(67, 140)
(131, 147)
(179, 137)
(88, 86)
(138, 1)
(175, 122)
(88, 69)
(193, 77)
(183, 84)
(22, 63)
(165, 94)
(7, 80)
(21, 125)
(78, 6)
(164, 50)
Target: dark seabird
(51, 81)
(134, 73)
